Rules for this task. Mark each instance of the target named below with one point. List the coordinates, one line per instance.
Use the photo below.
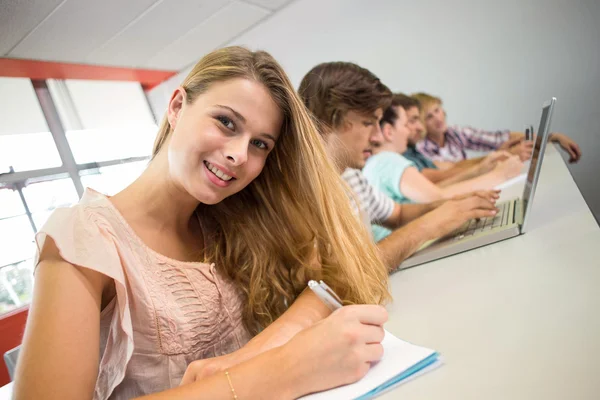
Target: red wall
(12, 326)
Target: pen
(326, 294)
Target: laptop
(511, 220)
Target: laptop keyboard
(474, 226)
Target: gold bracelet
(231, 385)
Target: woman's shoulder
(93, 212)
(85, 234)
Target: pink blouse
(166, 313)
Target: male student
(397, 177)
(449, 143)
(348, 102)
(450, 172)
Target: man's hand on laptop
(455, 212)
(491, 195)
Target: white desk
(6, 392)
(519, 319)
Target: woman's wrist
(294, 377)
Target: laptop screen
(536, 159)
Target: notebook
(401, 361)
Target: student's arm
(444, 165)
(417, 188)
(405, 213)
(469, 169)
(524, 149)
(247, 382)
(462, 175)
(307, 310)
(567, 145)
(59, 357)
(403, 242)
(458, 171)
(338, 350)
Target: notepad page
(398, 356)
(517, 179)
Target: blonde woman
(168, 281)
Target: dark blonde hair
(331, 89)
(426, 101)
(292, 223)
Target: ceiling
(152, 34)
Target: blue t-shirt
(421, 162)
(384, 171)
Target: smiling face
(221, 141)
(357, 136)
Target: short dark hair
(406, 102)
(331, 89)
(398, 100)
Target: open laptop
(511, 220)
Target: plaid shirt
(458, 139)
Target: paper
(510, 182)
(400, 360)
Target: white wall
(493, 62)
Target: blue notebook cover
(401, 360)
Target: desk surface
(519, 319)
(6, 392)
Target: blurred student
(397, 177)
(449, 143)
(348, 103)
(451, 172)
(168, 281)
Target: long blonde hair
(294, 222)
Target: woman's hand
(336, 351)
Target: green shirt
(421, 162)
(384, 171)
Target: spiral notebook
(401, 361)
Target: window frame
(18, 180)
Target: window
(93, 145)
(43, 197)
(105, 137)
(16, 285)
(108, 120)
(28, 151)
(16, 236)
(25, 139)
(111, 180)
(11, 203)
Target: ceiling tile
(215, 31)
(18, 18)
(157, 28)
(77, 28)
(269, 4)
